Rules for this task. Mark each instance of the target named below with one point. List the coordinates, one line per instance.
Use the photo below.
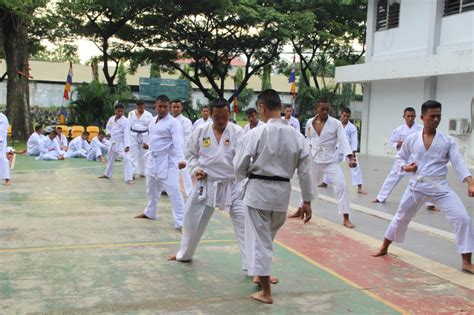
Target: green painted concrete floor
(69, 244)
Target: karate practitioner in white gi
(62, 140)
(186, 127)
(268, 156)
(139, 121)
(205, 118)
(396, 140)
(253, 118)
(326, 138)
(99, 147)
(33, 144)
(210, 153)
(426, 155)
(50, 149)
(78, 147)
(165, 157)
(4, 165)
(292, 121)
(352, 137)
(118, 128)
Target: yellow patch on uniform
(206, 141)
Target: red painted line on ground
(395, 281)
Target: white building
(416, 50)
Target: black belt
(275, 178)
(139, 132)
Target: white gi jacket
(119, 132)
(215, 159)
(3, 130)
(62, 140)
(97, 144)
(79, 145)
(201, 121)
(186, 127)
(403, 131)
(50, 147)
(432, 165)
(324, 148)
(274, 149)
(139, 126)
(165, 146)
(247, 126)
(33, 144)
(293, 122)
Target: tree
(122, 89)
(211, 34)
(155, 71)
(246, 94)
(266, 77)
(109, 24)
(62, 53)
(16, 18)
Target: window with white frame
(457, 6)
(388, 14)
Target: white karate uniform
(399, 134)
(201, 121)
(220, 189)
(97, 149)
(186, 129)
(274, 149)
(165, 151)
(325, 156)
(78, 148)
(50, 149)
(4, 165)
(293, 122)
(33, 144)
(351, 134)
(429, 183)
(247, 126)
(119, 131)
(138, 136)
(62, 140)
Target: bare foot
(361, 191)
(323, 185)
(258, 296)
(348, 224)
(130, 182)
(297, 214)
(468, 268)
(172, 257)
(273, 280)
(376, 201)
(103, 176)
(8, 182)
(180, 229)
(381, 252)
(432, 208)
(142, 216)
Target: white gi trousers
(261, 227)
(449, 203)
(94, 153)
(48, 157)
(196, 219)
(4, 165)
(137, 152)
(356, 174)
(76, 154)
(116, 150)
(33, 152)
(335, 176)
(154, 186)
(390, 182)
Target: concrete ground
(69, 244)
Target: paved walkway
(69, 244)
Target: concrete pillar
(364, 132)
(369, 37)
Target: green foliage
(155, 71)
(266, 77)
(93, 105)
(62, 53)
(246, 94)
(123, 91)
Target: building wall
(456, 33)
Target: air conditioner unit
(459, 127)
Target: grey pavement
(422, 240)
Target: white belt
(227, 192)
(427, 179)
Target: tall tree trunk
(15, 44)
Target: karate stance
(78, 147)
(205, 118)
(426, 155)
(186, 127)
(118, 128)
(33, 144)
(253, 118)
(139, 121)
(398, 136)
(4, 164)
(268, 157)
(165, 157)
(50, 149)
(292, 121)
(210, 153)
(98, 148)
(326, 138)
(352, 137)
